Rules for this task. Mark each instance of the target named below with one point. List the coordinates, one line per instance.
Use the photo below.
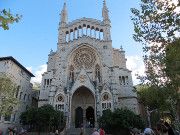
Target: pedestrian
(0, 132)
(56, 132)
(170, 130)
(148, 131)
(101, 131)
(95, 132)
(162, 129)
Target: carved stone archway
(82, 98)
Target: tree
(154, 98)
(6, 18)
(156, 26)
(8, 92)
(44, 118)
(119, 120)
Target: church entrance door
(78, 117)
(90, 117)
(82, 107)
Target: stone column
(69, 38)
(82, 31)
(94, 33)
(97, 113)
(84, 117)
(73, 35)
(77, 33)
(90, 32)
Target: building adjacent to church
(21, 77)
(86, 75)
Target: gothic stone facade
(86, 75)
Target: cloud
(136, 65)
(37, 71)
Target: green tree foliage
(156, 22)
(6, 18)
(120, 119)
(156, 26)
(8, 93)
(44, 118)
(154, 98)
(172, 61)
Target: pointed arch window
(71, 73)
(97, 73)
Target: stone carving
(84, 57)
(82, 78)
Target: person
(15, 130)
(162, 129)
(148, 131)
(169, 128)
(95, 132)
(0, 132)
(101, 131)
(23, 131)
(56, 132)
(81, 133)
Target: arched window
(106, 101)
(123, 80)
(71, 73)
(20, 95)
(60, 103)
(24, 97)
(17, 92)
(97, 73)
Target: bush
(44, 118)
(120, 119)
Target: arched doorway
(82, 107)
(78, 117)
(90, 117)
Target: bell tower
(106, 22)
(62, 24)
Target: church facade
(86, 75)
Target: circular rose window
(60, 99)
(84, 56)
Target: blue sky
(30, 40)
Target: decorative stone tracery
(84, 57)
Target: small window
(20, 95)
(105, 47)
(7, 117)
(17, 91)
(14, 117)
(25, 97)
(119, 99)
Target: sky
(30, 40)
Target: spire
(64, 14)
(105, 12)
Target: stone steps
(77, 131)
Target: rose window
(84, 56)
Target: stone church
(86, 75)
